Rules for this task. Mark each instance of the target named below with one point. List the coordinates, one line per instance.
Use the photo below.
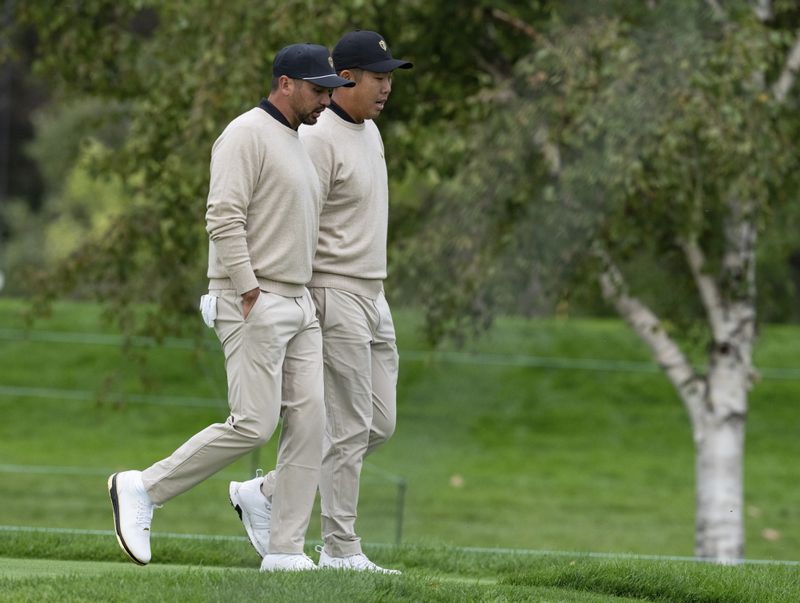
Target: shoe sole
(339, 568)
(233, 497)
(288, 569)
(112, 493)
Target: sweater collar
(343, 114)
(274, 112)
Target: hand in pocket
(249, 300)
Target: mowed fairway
(429, 575)
(546, 436)
(64, 580)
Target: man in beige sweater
(262, 220)
(359, 348)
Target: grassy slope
(67, 581)
(430, 574)
(547, 459)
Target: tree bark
(719, 433)
(763, 10)
(717, 401)
(781, 88)
(689, 384)
(719, 521)
(719, 441)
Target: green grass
(429, 574)
(66, 581)
(493, 455)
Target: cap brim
(329, 81)
(387, 65)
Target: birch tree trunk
(717, 400)
(719, 521)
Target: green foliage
(63, 129)
(653, 108)
(90, 34)
(86, 207)
(79, 210)
(23, 229)
(185, 69)
(779, 266)
(614, 130)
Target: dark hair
(356, 71)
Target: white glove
(208, 308)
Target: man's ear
(347, 74)
(285, 84)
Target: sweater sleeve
(320, 149)
(235, 167)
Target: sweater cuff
(243, 279)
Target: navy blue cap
(309, 62)
(368, 50)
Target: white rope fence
(473, 550)
(451, 357)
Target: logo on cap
(382, 44)
(330, 62)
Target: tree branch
(646, 324)
(788, 75)
(763, 10)
(764, 13)
(739, 277)
(518, 24)
(549, 150)
(738, 262)
(709, 292)
(717, 10)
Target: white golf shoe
(255, 511)
(133, 513)
(278, 562)
(358, 562)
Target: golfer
(262, 219)
(359, 347)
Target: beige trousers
(361, 367)
(273, 361)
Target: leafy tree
(639, 146)
(184, 70)
(81, 209)
(646, 153)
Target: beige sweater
(263, 208)
(351, 251)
